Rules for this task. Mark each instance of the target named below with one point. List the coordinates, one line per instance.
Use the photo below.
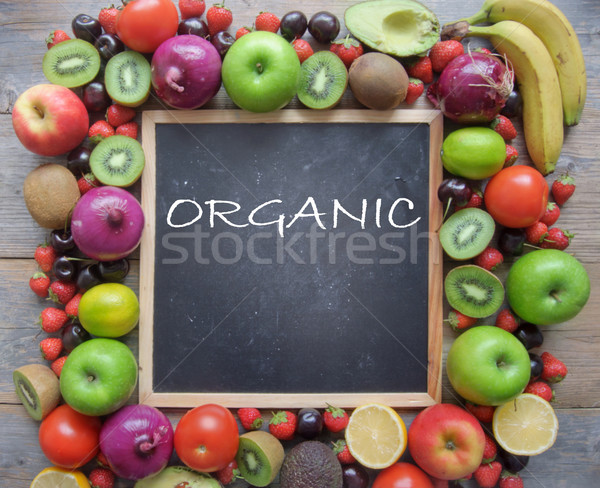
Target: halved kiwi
(473, 291)
(71, 63)
(127, 78)
(117, 161)
(466, 233)
(38, 389)
(323, 80)
(259, 457)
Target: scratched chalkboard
(289, 258)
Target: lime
(58, 477)
(474, 153)
(109, 310)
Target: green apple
(98, 376)
(260, 72)
(488, 366)
(547, 286)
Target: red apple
(446, 441)
(50, 120)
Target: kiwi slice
(467, 233)
(71, 63)
(323, 80)
(473, 291)
(259, 457)
(117, 161)
(38, 389)
(127, 78)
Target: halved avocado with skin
(398, 27)
(174, 476)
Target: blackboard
(290, 259)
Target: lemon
(58, 477)
(376, 436)
(525, 426)
(109, 310)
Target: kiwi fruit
(473, 291)
(50, 193)
(311, 464)
(71, 63)
(127, 78)
(38, 389)
(117, 161)
(323, 80)
(467, 233)
(259, 457)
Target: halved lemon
(54, 477)
(376, 435)
(525, 426)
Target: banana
(557, 34)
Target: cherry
(222, 42)
(88, 277)
(65, 269)
(72, 335)
(511, 241)
(62, 240)
(108, 45)
(310, 423)
(293, 25)
(194, 26)
(355, 476)
(324, 27)
(513, 106)
(86, 27)
(537, 366)
(95, 97)
(530, 335)
(78, 161)
(113, 271)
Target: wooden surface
(573, 462)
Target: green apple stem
(554, 294)
(259, 67)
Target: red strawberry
(490, 450)
(476, 201)
(40, 283)
(87, 182)
(242, 31)
(283, 425)
(62, 291)
(483, 413)
(340, 448)
(191, 8)
(541, 389)
(266, 21)
(57, 365)
(219, 18)
(459, 321)
(535, 233)
(443, 52)
(503, 126)
(45, 255)
(108, 19)
(551, 214)
(102, 461)
(414, 91)
(102, 478)
(507, 320)
(72, 307)
(487, 475)
(347, 49)
(335, 419)
(55, 37)
(510, 480)
(562, 189)
(482, 49)
(489, 259)
(250, 418)
(130, 129)
(511, 156)
(51, 347)
(557, 239)
(303, 49)
(554, 369)
(421, 69)
(100, 130)
(117, 115)
(52, 319)
(228, 474)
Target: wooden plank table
(574, 461)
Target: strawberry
(52, 319)
(303, 49)
(266, 21)
(557, 239)
(510, 480)
(483, 413)
(250, 418)
(490, 450)
(102, 461)
(130, 129)
(191, 8)
(242, 31)
(443, 52)
(108, 19)
(536, 233)
(45, 255)
(100, 130)
(421, 69)
(283, 425)
(554, 369)
(541, 389)
(475, 201)
(87, 182)
(489, 259)
(503, 126)
(481, 49)
(72, 306)
(57, 365)
(511, 156)
(228, 474)
(51, 347)
(487, 475)
(102, 478)
(55, 37)
(347, 49)
(551, 214)
(562, 189)
(335, 419)
(219, 18)
(415, 90)
(117, 115)
(459, 321)
(507, 320)
(62, 291)
(340, 448)
(39, 284)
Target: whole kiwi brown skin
(378, 81)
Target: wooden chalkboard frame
(150, 119)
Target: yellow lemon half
(58, 477)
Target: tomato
(516, 196)
(207, 438)
(144, 24)
(69, 439)
(402, 475)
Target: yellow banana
(557, 34)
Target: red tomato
(402, 475)
(207, 438)
(516, 196)
(68, 438)
(144, 24)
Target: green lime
(474, 153)
(109, 310)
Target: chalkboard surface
(290, 256)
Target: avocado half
(178, 476)
(398, 27)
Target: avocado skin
(311, 464)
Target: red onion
(107, 223)
(472, 88)
(137, 441)
(186, 71)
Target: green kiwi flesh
(467, 233)
(71, 63)
(259, 457)
(38, 389)
(117, 161)
(127, 78)
(323, 80)
(473, 291)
